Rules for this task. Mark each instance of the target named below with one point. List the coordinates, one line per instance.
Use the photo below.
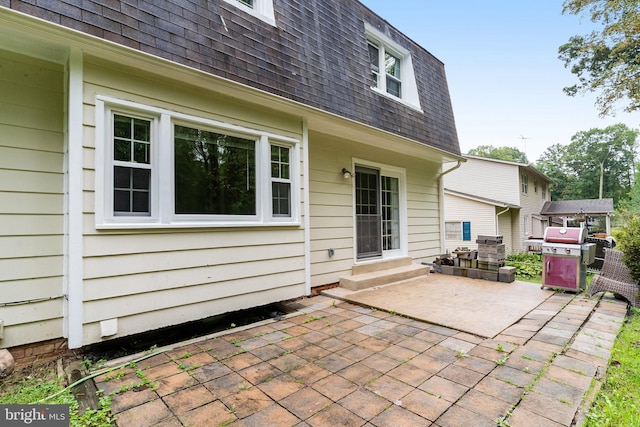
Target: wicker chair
(615, 277)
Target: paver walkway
(339, 364)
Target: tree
(509, 154)
(630, 207)
(598, 163)
(608, 60)
(552, 164)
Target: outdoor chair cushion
(615, 277)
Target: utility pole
(524, 138)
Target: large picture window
(215, 174)
(162, 168)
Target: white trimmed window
(161, 168)
(261, 9)
(391, 68)
(525, 183)
(280, 181)
(131, 165)
(453, 230)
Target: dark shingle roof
(317, 54)
(572, 207)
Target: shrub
(629, 243)
(527, 265)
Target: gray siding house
(495, 197)
(163, 162)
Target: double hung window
(525, 183)
(280, 181)
(131, 165)
(391, 68)
(169, 169)
(389, 79)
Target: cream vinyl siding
(331, 205)
(480, 215)
(488, 179)
(148, 278)
(31, 199)
(531, 205)
(506, 222)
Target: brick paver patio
(339, 364)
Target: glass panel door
(390, 213)
(368, 217)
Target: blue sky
(503, 70)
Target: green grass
(37, 384)
(617, 404)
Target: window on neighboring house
(131, 165)
(525, 183)
(391, 68)
(167, 168)
(535, 185)
(544, 192)
(261, 9)
(453, 230)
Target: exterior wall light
(346, 174)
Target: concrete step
(370, 279)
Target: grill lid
(570, 235)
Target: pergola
(566, 209)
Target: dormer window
(261, 9)
(391, 68)
(390, 81)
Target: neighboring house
(494, 197)
(163, 162)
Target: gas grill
(565, 257)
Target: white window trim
(263, 10)
(162, 172)
(394, 172)
(409, 90)
(294, 161)
(458, 237)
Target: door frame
(394, 172)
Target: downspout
(441, 195)
(498, 220)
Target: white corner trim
(306, 207)
(74, 284)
